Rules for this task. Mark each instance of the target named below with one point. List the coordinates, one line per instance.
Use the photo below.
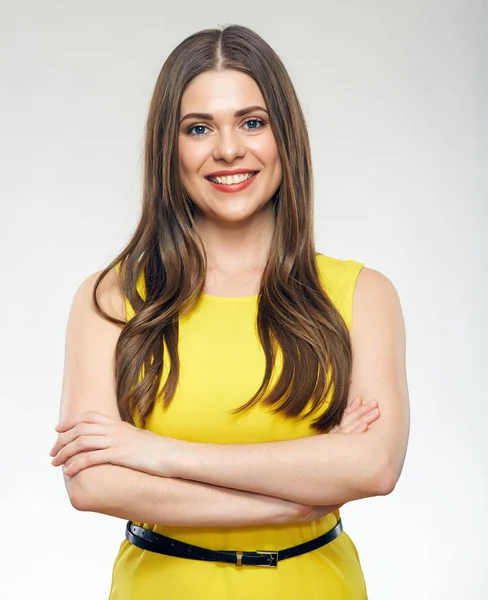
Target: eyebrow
(238, 113)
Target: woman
(258, 416)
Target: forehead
(220, 92)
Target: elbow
(96, 488)
(76, 486)
(77, 494)
(385, 484)
(385, 479)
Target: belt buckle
(273, 557)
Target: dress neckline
(229, 298)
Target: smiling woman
(227, 388)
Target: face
(221, 140)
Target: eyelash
(247, 121)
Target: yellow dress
(222, 365)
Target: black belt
(156, 542)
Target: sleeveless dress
(222, 365)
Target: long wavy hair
(295, 315)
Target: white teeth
(229, 179)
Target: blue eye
(200, 127)
(255, 121)
(195, 127)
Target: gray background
(395, 97)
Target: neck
(239, 246)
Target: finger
(364, 408)
(81, 444)
(356, 427)
(354, 404)
(371, 416)
(360, 428)
(352, 418)
(90, 416)
(66, 438)
(359, 412)
(80, 429)
(368, 417)
(361, 424)
(366, 413)
(88, 459)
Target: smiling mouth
(232, 179)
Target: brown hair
(294, 310)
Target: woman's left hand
(96, 438)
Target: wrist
(182, 459)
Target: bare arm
(88, 384)
(132, 495)
(327, 469)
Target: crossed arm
(126, 493)
(329, 469)
(320, 470)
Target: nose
(228, 145)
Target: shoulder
(374, 281)
(376, 306)
(374, 291)
(359, 292)
(108, 293)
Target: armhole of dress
(352, 269)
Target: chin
(227, 210)
(235, 216)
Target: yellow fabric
(222, 365)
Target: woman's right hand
(356, 419)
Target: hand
(94, 438)
(357, 417)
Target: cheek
(183, 160)
(273, 153)
(267, 151)
(191, 159)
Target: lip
(230, 172)
(233, 187)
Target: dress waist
(261, 537)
